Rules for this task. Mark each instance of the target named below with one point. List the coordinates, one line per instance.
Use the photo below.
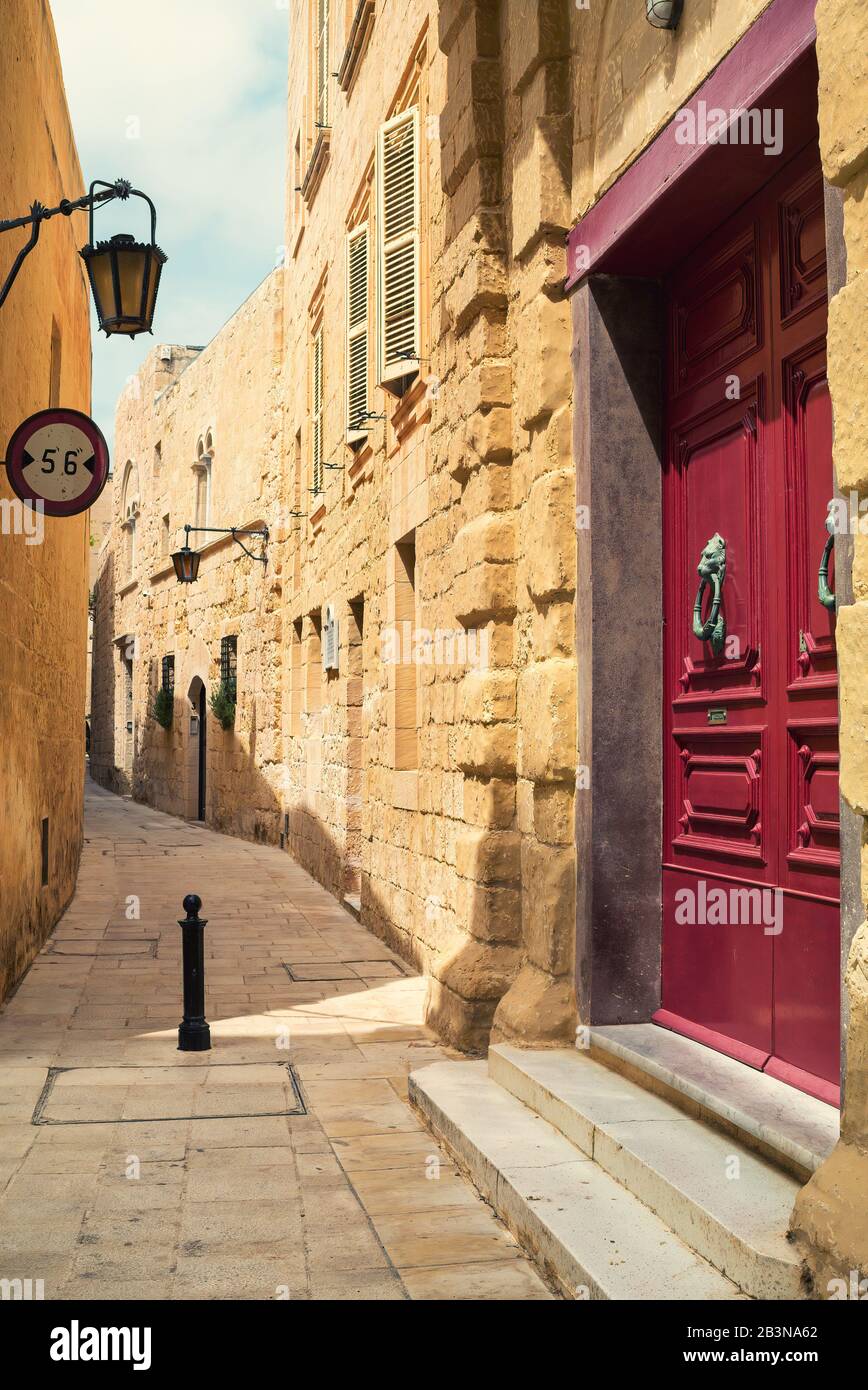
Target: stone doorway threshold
(792, 1129)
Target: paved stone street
(131, 1170)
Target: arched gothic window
(202, 470)
(130, 509)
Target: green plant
(164, 707)
(223, 704)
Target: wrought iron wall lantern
(186, 560)
(124, 273)
(664, 14)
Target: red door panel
(716, 458)
(718, 321)
(808, 433)
(751, 722)
(806, 993)
(721, 794)
(718, 981)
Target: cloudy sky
(187, 99)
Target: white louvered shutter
(330, 649)
(357, 334)
(316, 412)
(322, 62)
(398, 236)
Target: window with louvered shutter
(357, 334)
(322, 62)
(330, 645)
(316, 412)
(398, 238)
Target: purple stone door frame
(669, 199)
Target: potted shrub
(223, 704)
(164, 707)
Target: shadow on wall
(466, 978)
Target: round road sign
(58, 458)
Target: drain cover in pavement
(309, 972)
(100, 946)
(227, 1091)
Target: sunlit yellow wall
(43, 588)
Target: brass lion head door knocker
(712, 571)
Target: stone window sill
(413, 409)
(316, 167)
(359, 468)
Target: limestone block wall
(831, 1219)
(505, 396)
(220, 403)
(44, 360)
(630, 79)
(462, 844)
(374, 791)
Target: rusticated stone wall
(831, 1218)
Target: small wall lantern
(664, 14)
(186, 561)
(124, 273)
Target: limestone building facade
(197, 444)
(44, 360)
(464, 394)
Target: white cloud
(200, 85)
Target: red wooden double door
(751, 811)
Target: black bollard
(194, 1035)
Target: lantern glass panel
(100, 268)
(132, 265)
(186, 564)
(155, 271)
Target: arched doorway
(197, 751)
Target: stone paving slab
(169, 1175)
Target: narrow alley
(128, 1166)
(433, 672)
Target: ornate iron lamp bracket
(234, 532)
(38, 214)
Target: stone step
(725, 1201)
(592, 1237)
(793, 1129)
(353, 903)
